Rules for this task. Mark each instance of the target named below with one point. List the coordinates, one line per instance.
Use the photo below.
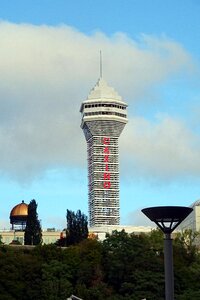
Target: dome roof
(19, 210)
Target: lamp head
(167, 218)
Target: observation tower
(104, 116)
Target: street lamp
(167, 218)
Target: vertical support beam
(169, 272)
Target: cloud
(54, 221)
(165, 149)
(137, 218)
(46, 72)
(4, 224)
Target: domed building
(18, 216)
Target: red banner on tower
(106, 151)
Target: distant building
(100, 232)
(49, 236)
(104, 116)
(18, 216)
(193, 220)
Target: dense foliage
(77, 228)
(123, 266)
(33, 232)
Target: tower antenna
(100, 64)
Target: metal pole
(169, 272)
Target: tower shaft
(103, 121)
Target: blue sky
(49, 61)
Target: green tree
(132, 267)
(56, 281)
(1, 243)
(77, 227)
(187, 241)
(122, 267)
(33, 231)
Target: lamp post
(167, 218)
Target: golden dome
(19, 210)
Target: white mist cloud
(166, 149)
(4, 224)
(137, 218)
(46, 72)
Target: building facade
(104, 116)
(49, 236)
(101, 232)
(193, 220)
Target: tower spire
(100, 64)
